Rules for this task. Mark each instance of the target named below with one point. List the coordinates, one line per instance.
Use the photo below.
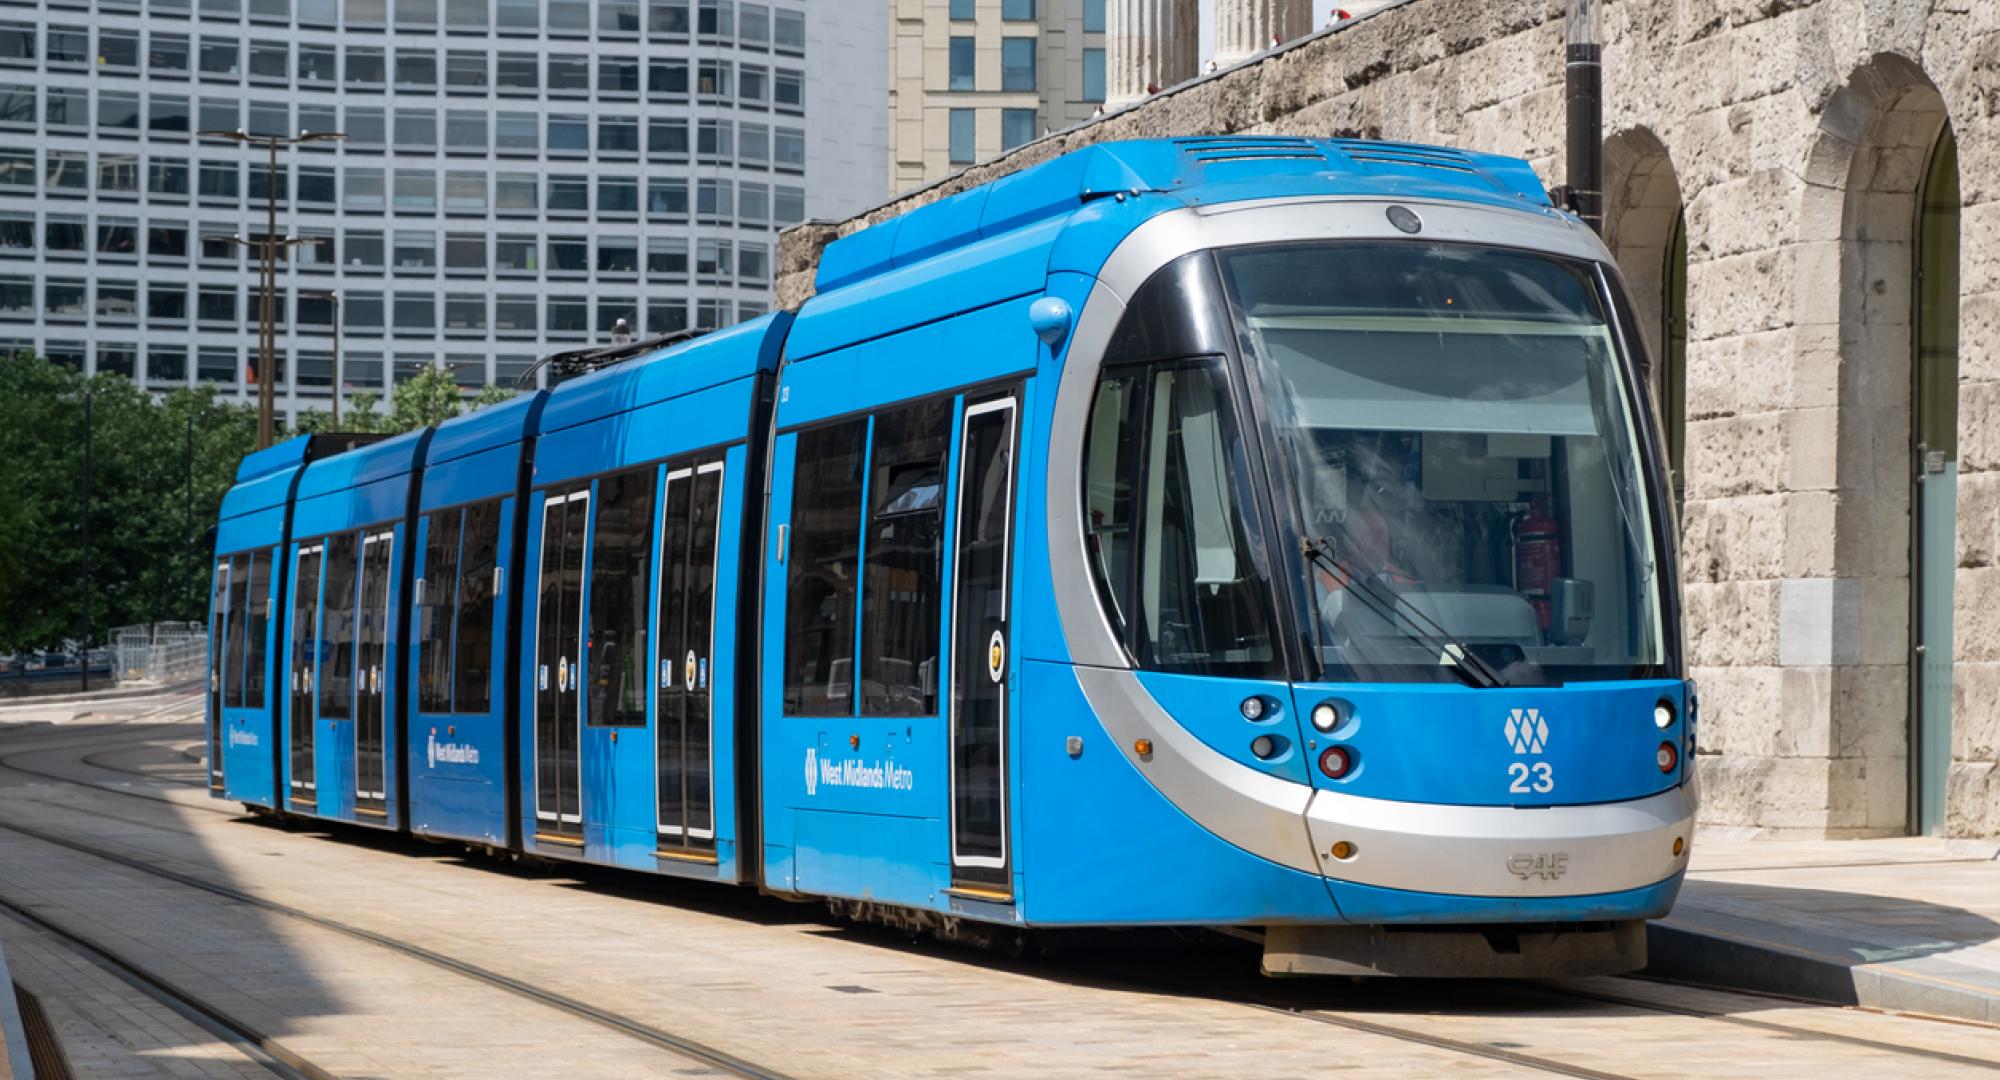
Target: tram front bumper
(1503, 851)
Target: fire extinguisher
(1537, 557)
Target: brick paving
(775, 983)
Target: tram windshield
(1468, 472)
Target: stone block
(1733, 456)
(1881, 631)
(1972, 800)
(1979, 336)
(1870, 710)
(1975, 624)
(1810, 536)
(1978, 528)
(1975, 711)
(1743, 710)
(1732, 623)
(1736, 539)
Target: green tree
(158, 471)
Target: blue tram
(1247, 532)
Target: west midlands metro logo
(1526, 731)
(812, 771)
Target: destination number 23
(1538, 778)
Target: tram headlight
(1667, 757)
(1663, 715)
(1264, 747)
(1253, 708)
(1325, 717)
(1336, 762)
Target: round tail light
(1667, 757)
(1336, 762)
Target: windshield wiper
(1391, 607)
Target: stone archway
(1645, 227)
(1852, 379)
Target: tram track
(256, 1045)
(617, 1022)
(1262, 1001)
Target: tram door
(371, 681)
(686, 788)
(980, 648)
(218, 621)
(300, 722)
(558, 665)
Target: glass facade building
(517, 176)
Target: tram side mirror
(1573, 602)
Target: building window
(465, 316)
(569, 255)
(618, 195)
(963, 129)
(465, 130)
(753, 265)
(416, 69)
(515, 193)
(667, 18)
(361, 250)
(167, 179)
(1017, 127)
(714, 260)
(167, 54)
(1017, 63)
(65, 236)
(964, 10)
(518, 73)
(416, 189)
(117, 111)
(417, 14)
(219, 182)
(1093, 74)
(118, 49)
(17, 105)
(68, 46)
(169, 113)
(714, 200)
(465, 252)
(618, 18)
(569, 195)
(66, 108)
(753, 203)
(569, 76)
(465, 192)
(666, 258)
(517, 132)
(963, 53)
(117, 239)
(715, 141)
(568, 315)
(667, 138)
(167, 365)
(515, 315)
(667, 78)
(667, 197)
(216, 304)
(316, 185)
(788, 31)
(221, 59)
(753, 84)
(712, 78)
(1093, 16)
(361, 189)
(569, 134)
(753, 144)
(365, 126)
(17, 233)
(515, 255)
(788, 205)
(788, 149)
(666, 316)
(17, 169)
(1017, 9)
(465, 71)
(617, 255)
(415, 249)
(416, 311)
(319, 64)
(753, 25)
(270, 61)
(788, 90)
(569, 18)
(17, 45)
(618, 135)
(17, 299)
(319, 13)
(519, 16)
(270, 119)
(366, 66)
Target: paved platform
(1905, 925)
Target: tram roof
(674, 371)
(264, 477)
(483, 429)
(378, 461)
(1190, 171)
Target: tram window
(336, 673)
(899, 632)
(821, 569)
(1165, 506)
(479, 556)
(256, 631)
(239, 590)
(621, 559)
(434, 617)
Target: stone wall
(1792, 135)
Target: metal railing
(161, 653)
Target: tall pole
(338, 386)
(267, 391)
(1583, 90)
(188, 463)
(87, 439)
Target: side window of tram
(1164, 507)
(438, 604)
(232, 634)
(256, 631)
(336, 672)
(621, 561)
(218, 626)
(901, 579)
(821, 569)
(455, 614)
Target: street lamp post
(332, 296)
(267, 269)
(1583, 92)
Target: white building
(517, 175)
